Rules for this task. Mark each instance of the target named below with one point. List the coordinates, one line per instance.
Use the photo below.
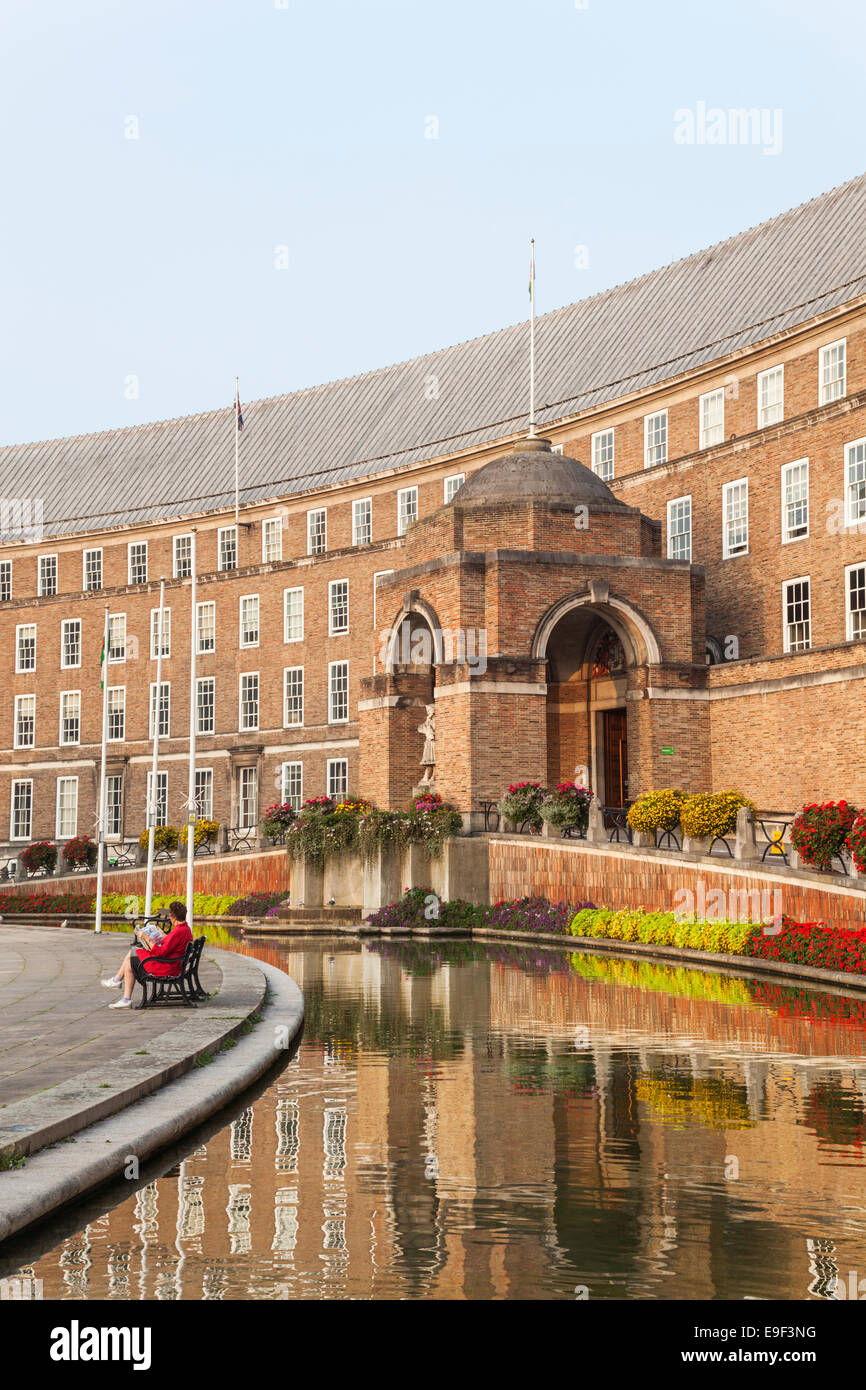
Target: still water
(490, 1122)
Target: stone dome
(534, 473)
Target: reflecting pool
(490, 1122)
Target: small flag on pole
(240, 414)
(532, 272)
(102, 666)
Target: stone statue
(581, 775)
(428, 757)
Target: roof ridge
(381, 370)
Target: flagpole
(532, 339)
(153, 799)
(100, 837)
(192, 812)
(237, 468)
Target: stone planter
(696, 844)
(643, 839)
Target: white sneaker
(121, 1004)
(111, 984)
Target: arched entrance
(589, 644)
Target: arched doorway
(589, 643)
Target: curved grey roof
(688, 314)
(533, 473)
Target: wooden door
(615, 757)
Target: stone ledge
(26, 1126)
(60, 1174)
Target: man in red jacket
(167, 957)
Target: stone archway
(593, 645)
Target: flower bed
(811, 943)
(663, 929)
(419, 907)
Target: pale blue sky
(304, 126)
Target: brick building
(686, 605)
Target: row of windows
(248, 706)
(249, 628)
(66, 814)
(711, 412)
(794, 506)
(227, 544)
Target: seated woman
(173, 944)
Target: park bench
(185, 987)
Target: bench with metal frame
(185, 987)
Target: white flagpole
(192, 813)
(532, 339)
(153, 799)
(237, 467)
(100, 838)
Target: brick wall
(578, 873)
(266, 872)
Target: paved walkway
(54, 1017)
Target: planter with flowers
(204, 835)
(81, 853)
(567, 808)
(857, 842)
(819, 834)
(164, 840)
(276, 820)
(40, 857)
(521, 805)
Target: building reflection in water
(470, 1123)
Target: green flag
(102, 666)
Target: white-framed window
(338, 607)
(771, 396)
(855, 482)
(181, 551)
(91, 569)
(735, 518)
(205, 626)
(157, 804)
(293, 615)
(317, 531)
(832, 372)
(164, 709)
(272, 540)
(795, 500)
(113, 807)
(66, 823)
(47, 575)
(855, 602)
(204, 793)
(205, 703)
(712, 417)
(680, 528)
(137, 562)
(155, 633)
(293, 696)
(248, 798)
(557, 449)
(796, 615)
(655, 438)
(407, 508)
(116, 713)
(248, 701)
(338, 692)
(116, 637)
(293, 785)
(338, 777)
(249, 620)
(70, 643)
(70, 717)
(362, 521)
(21, 812)
(453, 485)
(601, 448)
(227, 548)
(25, 721)
(25, 647)
(5, 581)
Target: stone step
(318, 916)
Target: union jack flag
(240, 414)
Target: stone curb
(30, 1124)
(60, 1174)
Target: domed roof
(534, 473)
